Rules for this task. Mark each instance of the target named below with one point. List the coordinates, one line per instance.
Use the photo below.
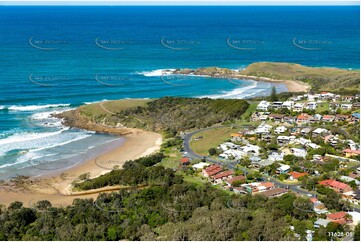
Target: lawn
(211, 139)
(173, 158)
(197, 180)
(251, 109)
(322, 107)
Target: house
(305, 131)
(185, 161)
(283, 169)
(303, 118)
(313, 146)
(298, 107)
(347, 98)
(276, 117)
(280, 130)
(222, 176)
(321, 222)
(328, 118)
(211, 170)
(350, 153)
(289, 119)
(288, 104)
(275, 156)
(326, 95)
(295, 175)
(339, 217)
(311, 105)
(318, 206)
(339, 187)
(277, 105)
(283, 140)
(342, 117)
(200, 165)
(355, 117)
(319, 131)
(235, 179)
(236, 137)
(256, 187)
(263, 105)
(299, 152)
(275, 192)
(349, 179)
(263, 129)
(346, 106)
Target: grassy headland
(318, 79)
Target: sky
(177, 2)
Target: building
(298, 107)
(321, 222)
(346, 106)
(328, 118)
(295, 175)
(284, 140)
(342, 117)
(338, 217)
(339, 187)
(299, 152)
(222, 176)
(288, 104)
(319, 131)
(277, 105)
(263, 105)
(276, 117)
(350, 153)
(280, 130)
(240, 178)
(303, 118)
(185, 161)
(275, 192)
(211, 170)
(283, 169)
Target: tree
(356, 235)
(212, 151)
(274, 96)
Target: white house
(280, 130)
(319, 131)
(283, 169)
(263, 129)
(299, 152)
(311, 105)
(346, 106)
(288, 104)
(298, 107)
(263, 105)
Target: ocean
(58, 58)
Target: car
(309, 195)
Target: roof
(336, 216)
(236, 135)
(328, 116)
(185, 160)
(236, 178)
(356, 115)
(313, 200)
(274, 192)
(214, 171)
(212, 167)
(322, 222)
(275, 115)
(352, 151)
(267, 184)
(302, 117)
(333, 183)
(223, 174)
(297, 175)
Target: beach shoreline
(57, 187)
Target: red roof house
(236, 178)
(338, 217)
(336, 185)
(211, 170)
(297, 175)
(223, 175)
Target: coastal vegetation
(319, 79)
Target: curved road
(231, 165)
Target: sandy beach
(57, 188)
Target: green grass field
(173, 158)
(251, 109)
(211, 139)
(322, 107)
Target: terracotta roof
(212, 167)
(352, 151)
(336, 216)
(214, 171)
(223, 174)
(185, 160)
(327, 116)
(333, 183)
(313, 200)
(302, 117)
(236, 135)
(267, 184)
(297, 175)
(236, 178)
(275, 115)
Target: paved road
(231, 165)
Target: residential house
(235, 179)
(211, 170)
(280, 130)
(284, 140)
(347, 98)
(342, 117)
(321, 222)
(263, 129)
(200, 165)
(339, 217)
(236, 137)
(185, 161)
(305, 131)
(275, 156)
(295, 175)
(263, 105)
(318, 206)
(218, 178)
(350, 153)
(277, 105)
(276, 192)
(319, 131)
(346, 106)
(328, 118)
(256, 187)
(298, 107)
(283, 169)
(311, 105)
(303, 118)
(355, 117)
(339, 187)
(289, 119)
(288, 105)
(276, 117)
(299, 152)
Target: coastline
(56, 188)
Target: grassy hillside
(170, 114)
(320, 79)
